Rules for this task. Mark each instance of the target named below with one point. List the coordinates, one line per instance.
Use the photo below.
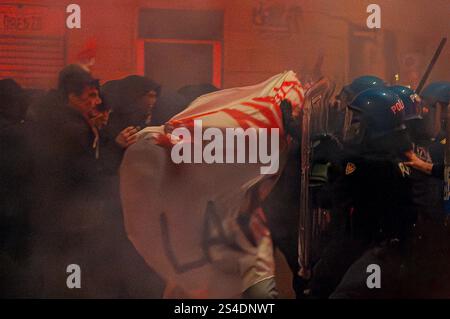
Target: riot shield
(314, 120)
(447, 164)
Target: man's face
(87, 101)
(148, 101)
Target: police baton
(430, 67)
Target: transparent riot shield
(447, 165)
(314, 121)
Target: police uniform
(427, 191)
(371, 199)
(377, 188)
(412, 257)
(437, 153)
(371, 195)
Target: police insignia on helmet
(404, 169)
(350, 168)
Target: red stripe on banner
(294, 83)
(288, 83)
(241, 122)
(268, 99)
(271, 99)
(265, 111)
(300, 95)
(242, 119)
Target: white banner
(199, 225)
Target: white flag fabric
(199, 225)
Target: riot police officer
(437, 96)
(370, 187)
(426, 189)
(377, 188)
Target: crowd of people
(60, 201)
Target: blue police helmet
(437, 92)
(380, 111)
(411, 101)
(363, 83)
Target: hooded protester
(168, 105)
(132, 100)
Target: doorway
(180, 47)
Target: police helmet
(361, 84)
(437, 92)
(379, 112)
(412, 102)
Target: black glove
(290, 126)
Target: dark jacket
(74, 216)
(122, 96)
(371, 202)
(377, 190)
(67, 177)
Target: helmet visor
(355, 130)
